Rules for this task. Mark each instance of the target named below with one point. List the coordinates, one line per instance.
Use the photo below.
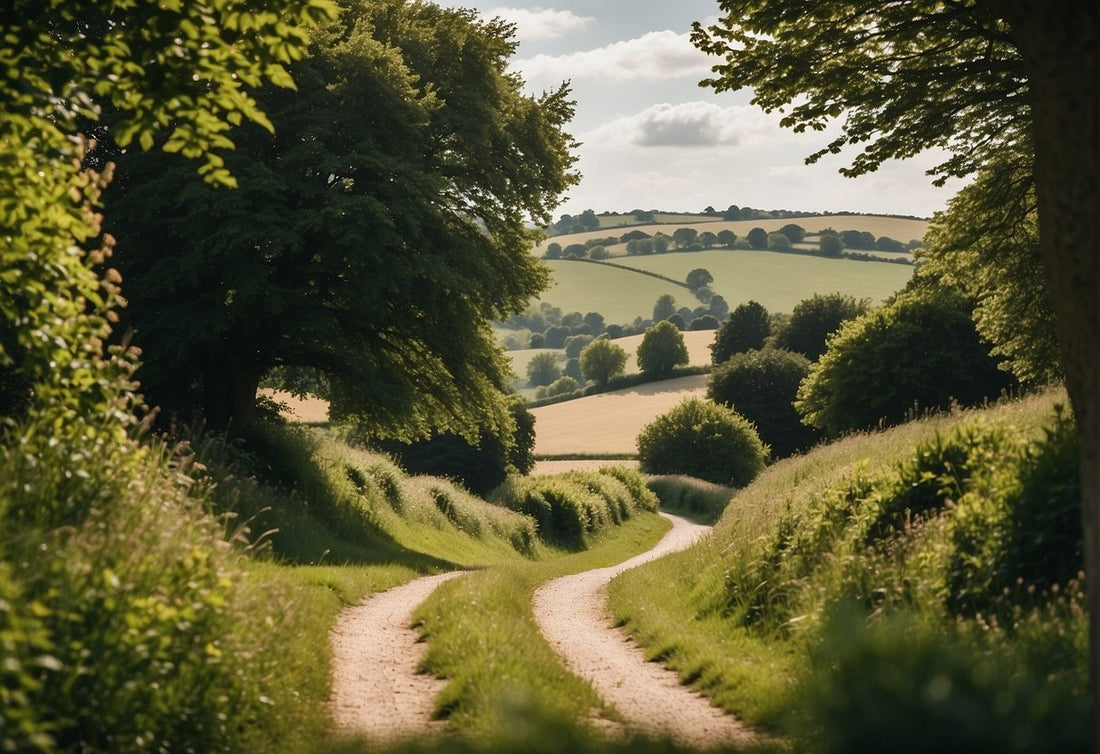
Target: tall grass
(483, 638)
(950, 538)
(569, 509)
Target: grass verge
(482, 636)
(909, 590)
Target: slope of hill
(899, 228)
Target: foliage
(574, 344)
(794, 233)
(569, 509)
(762, 387)
(699, 277)
(746, 328)
(846, 636)
(779, 242)
(373, 237)
(758, 238)
(543, 369)
(664, 308)
(482, 465)
(830, 244)
(815, 319)
(120, 615)
(662, 349)
(702, 439)
(602, 360)
(987, 244)
(919, 353)
(937, 75)
(700, 501)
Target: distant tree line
(849, 244)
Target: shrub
(563, 386)
(747, 327)
(569, 508)
(662, 349)
(601, 360)
(815, 319)
(704, 322)
(700, 500)
(702, 439)
(762, 387)
(543, 369)
(758, 238)
(921, 352)
(778, 241)
(574, 344)
(830, 244)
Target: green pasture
(800, 616)
(899, 228)
(776, 280)
(619, 295)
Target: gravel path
(572, 613)
(377, 689)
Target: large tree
(972, 77)
(372, 239)
(987, 243)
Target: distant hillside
(899, 228)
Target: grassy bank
(910, 590)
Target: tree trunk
(1057, 41)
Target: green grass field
(778, 281)
(619, 295)
(898, 228)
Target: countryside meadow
(323, 429)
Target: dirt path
(377, 691)
(572, 613)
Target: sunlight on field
(609, 422)
(899, 228)
(307, 411)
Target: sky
(652, 138)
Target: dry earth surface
(609, 422)
(572, 613)
(378, 691)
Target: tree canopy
(373, 237)
(662, 349)
(972, 78)
(987, 243)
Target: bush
(830, 245)
(662, 349)
(543, 369)
(563, 386)
(762, 387)
(602, 360)
(815, 319)
(574, 344)
(569, 508)
(704, 440)
(897, 685)
(921, 352)
(746, 328)
(699, 500)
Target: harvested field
(609, 422)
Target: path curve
(572, 613)
(378, 691)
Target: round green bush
(762, 387)
(702, 439)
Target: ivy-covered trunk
(1058, 45)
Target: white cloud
(690, 124)
(656, 55)
(541, 23)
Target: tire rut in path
(572, 613)
(377, 689)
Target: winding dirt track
(572, 613)
(377, 689)
(379, 694)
